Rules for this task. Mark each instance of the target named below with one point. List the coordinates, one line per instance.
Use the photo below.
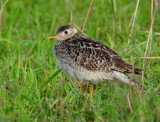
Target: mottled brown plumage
(87, 59)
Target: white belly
(81, 74)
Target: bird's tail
(134, 70)
(138, 71)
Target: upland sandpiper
(87, 60)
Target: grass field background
(32, 89)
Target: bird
(88, 60)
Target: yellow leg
(90, 91)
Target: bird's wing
(92, 55)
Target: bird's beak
(53, 37)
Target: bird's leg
(90, 91)
(83, 87)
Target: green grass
(31, 89)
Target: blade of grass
(114, 6)
(28, 99)
(50, 78)
(2, 6)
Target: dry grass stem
(71, 18)
(31, 49)
(129, 104)
(132, 22)
(155, 33)
(78, 28)
(148, 57)
(149, 40)
(87, 15)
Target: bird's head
(65, 32)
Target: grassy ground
(31, 89)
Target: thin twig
(87, 15)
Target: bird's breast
(60, 50)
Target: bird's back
(82, 53)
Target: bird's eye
(66, 32)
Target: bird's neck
(78, 35)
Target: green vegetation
(31, 87)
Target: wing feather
(95, 56)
